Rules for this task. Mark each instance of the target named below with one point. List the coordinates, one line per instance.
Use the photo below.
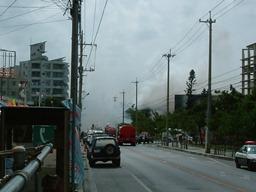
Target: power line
(153, 70)
(182, 45)
(22, 14)
(220, 75)
(193, 26)
(7, 8)
(36, 23)
(190, 43)
(226, 7)
(95, 37)
(25, 7)
(94, 18)
(229, 9)
(29, 25)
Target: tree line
(232, 121)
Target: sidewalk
(199, 151)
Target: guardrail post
(19, 156)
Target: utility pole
(136, 104)
(123, 106)
(168, 55)
(209, 100)
(74, 73)
(80, 70)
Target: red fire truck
(127, 134)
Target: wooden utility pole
(73, 88)
(81, 71)
(209, 100)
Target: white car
(246, 156)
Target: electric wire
(36, 23)
(162, 99)
(220, 75)
(22, 14)
(227, 8)
(26, 7)
(193, 26)
(191, 42)
(94, 18)
(182, 45)
(32, 24)
(1, 14)
(96, 35)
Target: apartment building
(249, 69)
(42, 77)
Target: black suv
(104, 149)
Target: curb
(197, 153)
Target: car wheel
(116, 162)
(237, 164)
(249, 165)
(91, 163)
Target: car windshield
(104, 142)
(251, 150)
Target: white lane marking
(141, 183)
(218, 162)
(193, 158)
(223, 174)
(246, 177)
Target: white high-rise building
(44, 78)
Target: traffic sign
(43, 134)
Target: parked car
(246, 156)
(104, 149)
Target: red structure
(127, 134)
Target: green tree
(190, 88)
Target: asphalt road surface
(151, 169)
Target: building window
(35, 90)
(58, 83)
(36, 74)
(13, 93)
(35, 66)
(57, 66)
(48, 91)
(2, 82)
(35, 82)
(47, 82)
(48, 74)
(57, 74)
(57, 91)
(47, 66)
(14, 83)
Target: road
(151, 169)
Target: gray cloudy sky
(133, 36)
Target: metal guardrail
(21, 177)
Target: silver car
(246, 156)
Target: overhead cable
(96, 35)
(1, 14)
